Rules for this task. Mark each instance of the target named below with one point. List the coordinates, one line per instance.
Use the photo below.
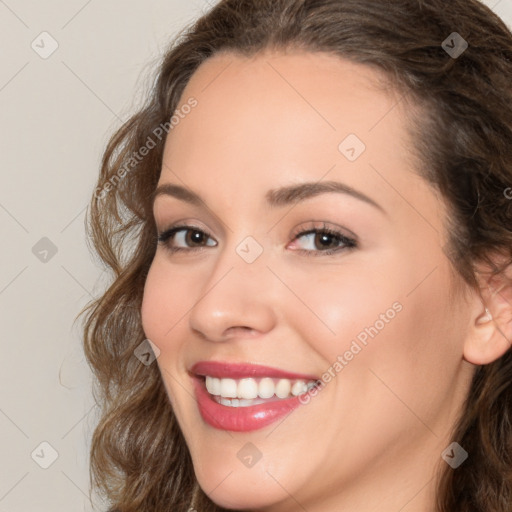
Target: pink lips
(241, 419)
(240, 370)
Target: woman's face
(367, 303)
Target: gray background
(56, 115)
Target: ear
(490, 333)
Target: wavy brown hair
(463, 138)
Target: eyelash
(349, 243)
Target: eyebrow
(280, 197)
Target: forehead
(330, 94)
(301, 95)
(280, 118)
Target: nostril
(240, 329)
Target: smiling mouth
(249, 391)
(243, 397)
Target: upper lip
(222, 369)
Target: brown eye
(184, 238)
(195, 237)
(324, 241)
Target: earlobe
(490, 335)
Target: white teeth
(247, 388)
(266, 388)
(228, 388)
(298, 388)
(283, 388)
(213, 385)
(245, 391)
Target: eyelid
(323, 226)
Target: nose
(238, 299)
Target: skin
(372, 438)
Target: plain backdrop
(70, 74)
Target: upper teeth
(250, 388)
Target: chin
(245, 489)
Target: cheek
(365, 321)
(161, 311)
(155, 305)
(341, 307)
(166, 300)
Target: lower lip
(240, 419)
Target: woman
(310, 229)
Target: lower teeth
(241, 402)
